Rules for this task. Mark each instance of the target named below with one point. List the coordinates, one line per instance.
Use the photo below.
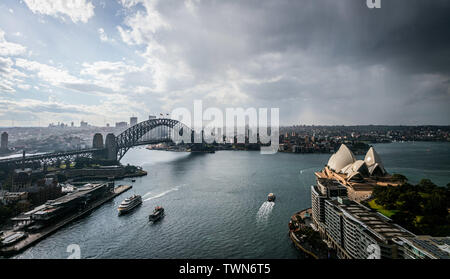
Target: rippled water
(216, 203)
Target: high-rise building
(356, 232)
(325, 188)
(4, 141)
(133, 121)
(83, 124)
(121, 124)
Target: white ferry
(128, 204)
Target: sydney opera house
(359, 176)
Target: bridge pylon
(97, 143)
(111, 147)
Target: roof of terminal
(80, 192)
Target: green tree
(436, 204)
(411, 202)
(399, 177)
(426, 185)
(405, 219)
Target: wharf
(33, 238)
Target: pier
(33, 238)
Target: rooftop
(438, 247)
(380, 226)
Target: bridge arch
(133, 136)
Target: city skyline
(327, 63)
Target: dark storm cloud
(413, 35)
(361, 65)
(319, 61)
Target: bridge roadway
(48, 156)
(66, 154)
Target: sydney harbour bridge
(153, 131)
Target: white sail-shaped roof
(354, 176)
(373, 162)
(358, 166)
(342, 158)
(347, 169)
(377, 170)
(372, 158)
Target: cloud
(30, 105)
(9, 76)
(142, 25)
(53, 75)
(320, 62)
(103, 36)
(359, 64)
(8, 48)
(60, 77)
(76, 10)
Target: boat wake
(146, 194)
(162, 194)
(264, 211)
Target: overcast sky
(319, 61)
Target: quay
(33, 238)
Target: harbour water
(216, 203)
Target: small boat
(128, 204)
(271, 197)
(133, 180)
(157, 214)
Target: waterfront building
(356, 232)
(54, 210)
(4, 141)
(353, 230)
(359, 176)
(325, 189)
(21, 179)
(425, 247)
(318, 209)
(44, 190)
(100, 172)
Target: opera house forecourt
(359, 176)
